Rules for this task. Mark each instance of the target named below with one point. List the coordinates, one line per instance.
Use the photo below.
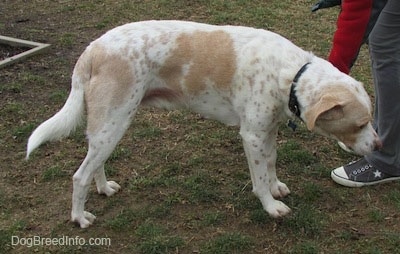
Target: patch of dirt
(7, 51)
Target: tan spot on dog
(111, 80)
(209, 58)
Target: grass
(376, 215)
(154, 239)
(59, 96)
(67, 40)
(185, 182)
(291, 152)
(52, 173)
(6, 234)
(228, 243)
(306, 220)
(123, 220)
(201, 188)
(12, 87)
(213, 219)
(308, 247)
(393, 197)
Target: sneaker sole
(353, 184)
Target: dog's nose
(378, 144)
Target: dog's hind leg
(101, 145)
(81, 183)
(106, 126)
(105, 187)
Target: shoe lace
(362, 169)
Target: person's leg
(384, 47)
(382, 165)
(377, 6)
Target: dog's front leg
(277, 188)
(260, 149)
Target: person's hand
(325, 4)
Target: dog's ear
(327, 108)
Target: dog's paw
(277, 209)
(109, 189)
(279, 190)
(84, 220)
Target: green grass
(376, 215)
(228, 243)
(306, 220)
(29, 78)
(7, 233)
(143, 183)
(123, 220)
(52, 173)
(259, 216)
(197, 188)
(15, 87)
(312, 192)
(309, 247)
(213, 218)
(5, 236)
(14, 108)
(154, 239)
(393, 198)
(201, 188)
(147, 131)
(292, 153)
(67, 39)
(59, 96)
(119, 153)
(23, 131)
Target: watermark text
(32, 241)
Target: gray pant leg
(377, 6)
(384, 44)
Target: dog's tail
(70, 116)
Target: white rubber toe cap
(339, 172)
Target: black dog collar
(293, 102)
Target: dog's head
(344, 113)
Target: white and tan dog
(237, 75)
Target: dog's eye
(362, 126)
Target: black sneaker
(360, 173)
